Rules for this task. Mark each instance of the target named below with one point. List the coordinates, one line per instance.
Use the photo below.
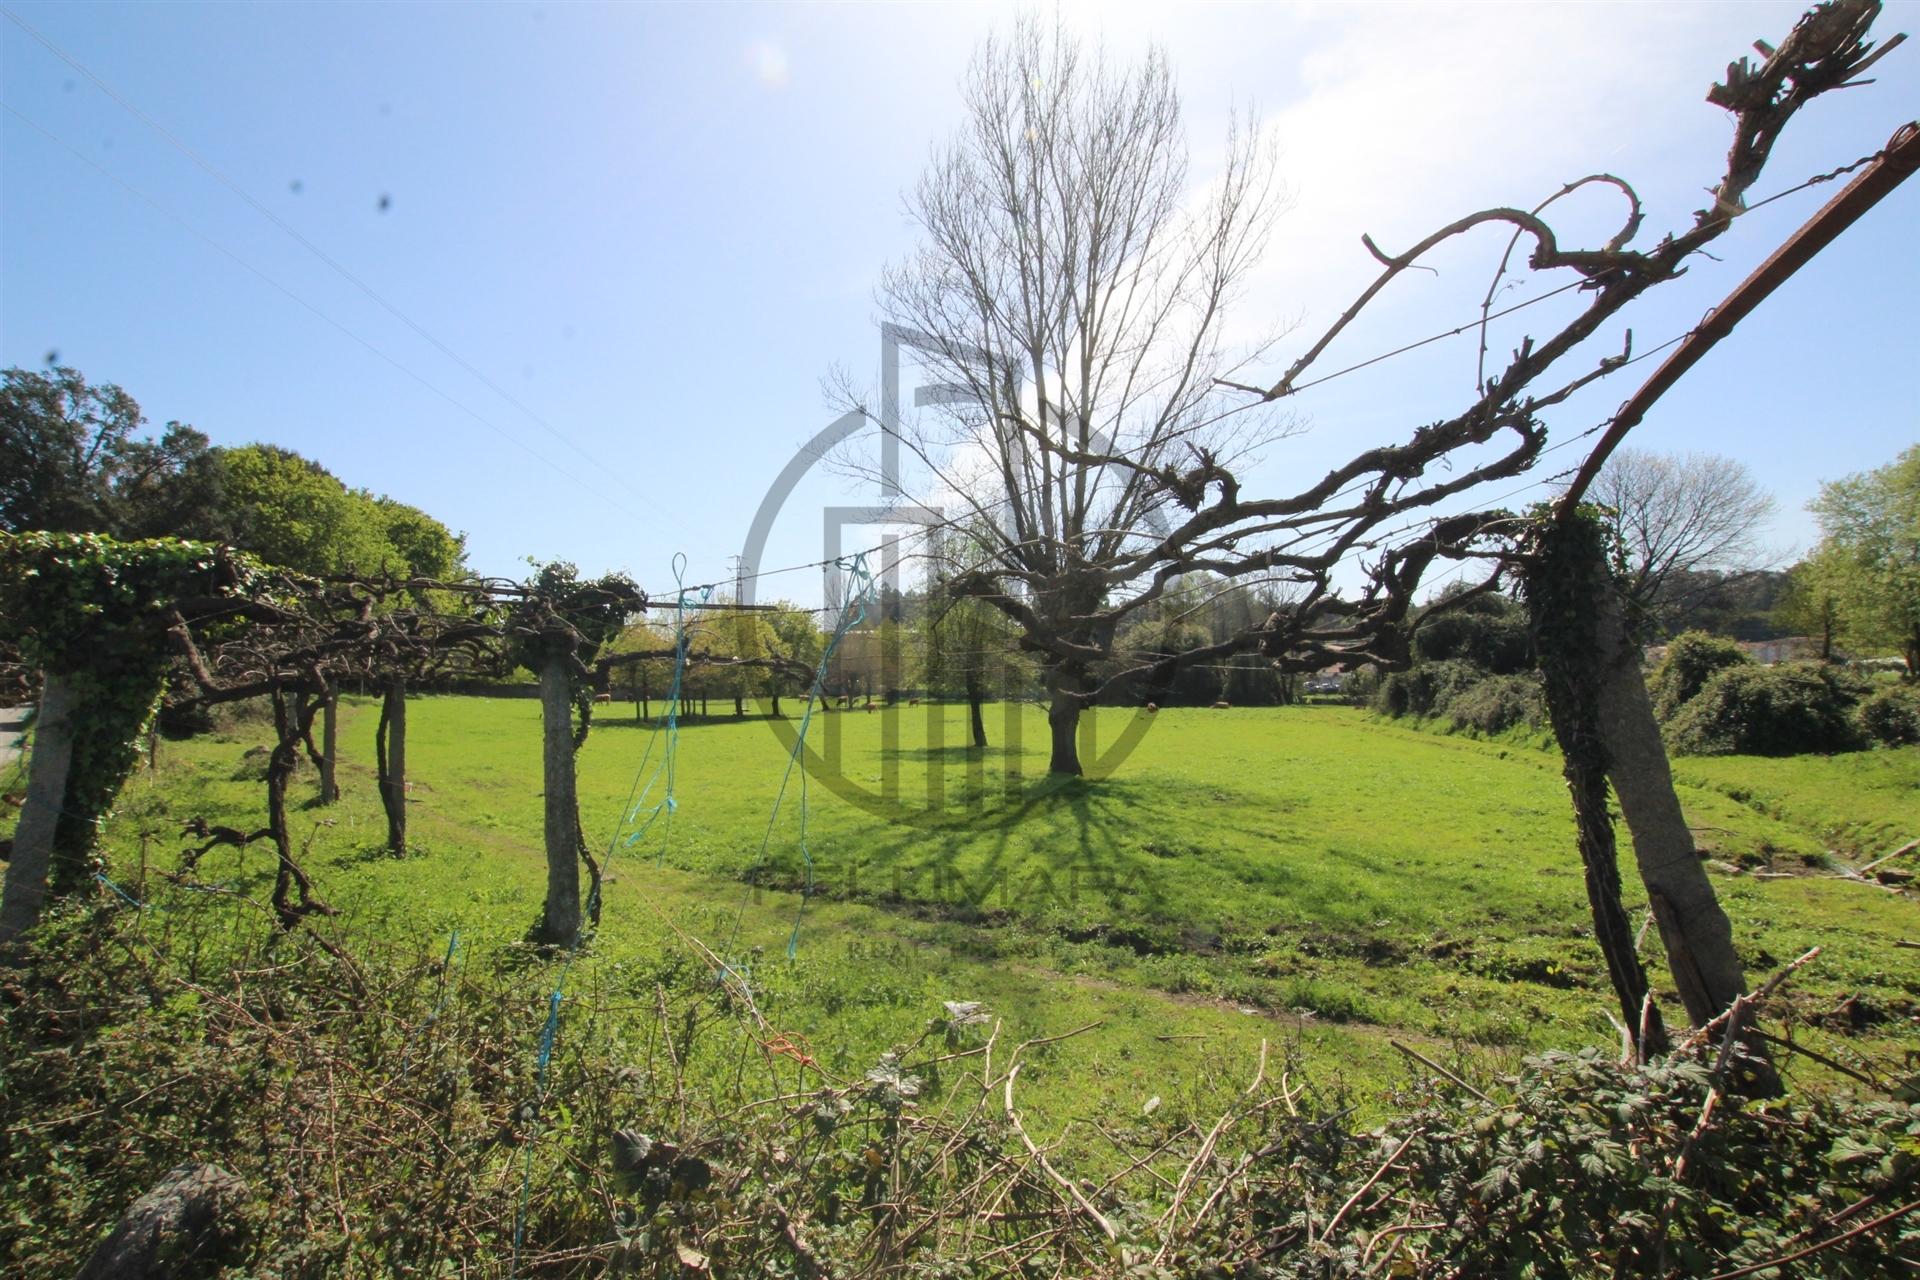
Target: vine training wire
(862, 591)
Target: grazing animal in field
(844, 701)
(1152, 707)
(913, 702)
(1222, 705)
(603, 697)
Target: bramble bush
(388, 1112)
(1891, 717)
(1463, 694)
(1498, 703)
(1693, 658)
(1789, 709)
(1426, 688)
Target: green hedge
(1890, 718)
(1790, 709)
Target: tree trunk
(1612, 929)
(329, 744)
(1604, 721)
(53, 735)
(1063, 720)
(188, 1225)
(776, 701)
(560, 922)
(291, 724)
(646, 695)
(1560, 587)
(975, 697)
(390, 758)
(1697, 934)
(739, 707)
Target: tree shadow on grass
(955, 754)
(970, 871)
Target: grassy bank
(1315, 874)
(1264, 895)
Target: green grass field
(1314, 877)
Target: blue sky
(625, 244)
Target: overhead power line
(214, 172)
(222, 249)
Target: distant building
(1764, 652)
(1785, 649)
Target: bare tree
(1067, 301)
(1388, 505)
(1679, 514)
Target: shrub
(1692, 660)
(1489, 631)
(1890, 717)
(1498, 703)
(1427, 689)
(439, 1138)
(1768, 711)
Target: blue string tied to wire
(636, 807)
(132, 901)
(138, 905)
(634, 810)
(446, 982)
(861, 592)
(547, 1036)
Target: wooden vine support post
(560, 918)
(390, 758)
(53, 735)
(93, 615)
(559, 627)
(330, 744)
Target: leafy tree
(1870, 556)
(62, 443)
(291, 511)
(72, 459)
(171, 487)
(1488, 630)
(1811, 602)
(972, 648)
(425, 548)
(796, 634)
